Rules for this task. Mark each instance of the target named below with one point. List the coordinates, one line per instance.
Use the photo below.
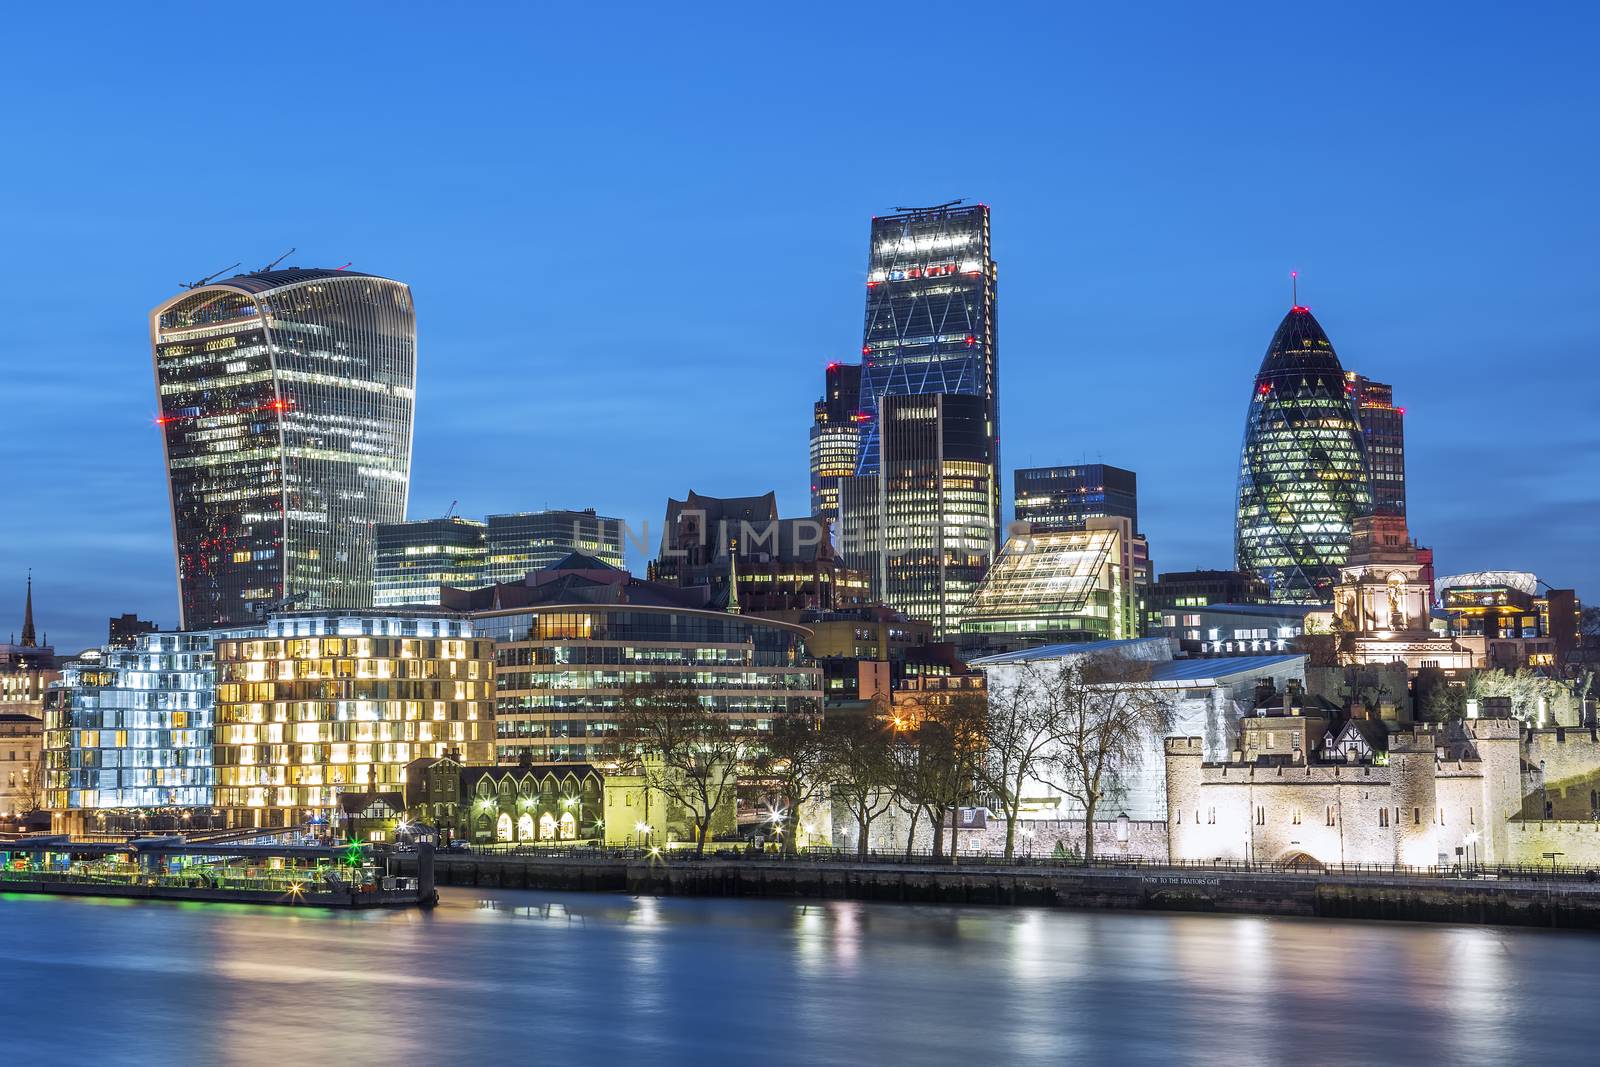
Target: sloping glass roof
(1048, 575)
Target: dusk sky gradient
(635, 235)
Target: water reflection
(545, 977)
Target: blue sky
(636, 234)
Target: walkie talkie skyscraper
(286, 406)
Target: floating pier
(350, 875)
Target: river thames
(524, 977)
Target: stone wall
(1569, 759)
(1577, 841)
(984, 833)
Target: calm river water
(524, 977)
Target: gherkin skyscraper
(1303, 468)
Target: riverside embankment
(1521, 899)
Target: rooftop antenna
(275, 262)
(207, 278)
(1294, 287)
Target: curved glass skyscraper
(1303, 468)
(286, 403)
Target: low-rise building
(1228, 629)
(21, 768)
(573, 639)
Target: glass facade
(340, 703)
(921, 526)
(562, 672)
(133, 728)
(1058, 586)
(415, 558)
(286, 404)
(926, 491)
(1303, 467)
(1062, 498)
(531, 541)
(1383, 431)
(835, 438)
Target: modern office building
(921, 523)
(930, 322)
(1383, 431)
(129, 732)
(1052, 499)
(528, 541)
(1303, 467)
(572, 639)
(415, 558)
(835, 438)
(743, 557)
(927, 481)
(1049, 588)
(327, 705)
(286, 405)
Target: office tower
(415, 558)
(1049, 587)
(1383, 430)
(286, 402)
(521, 543)
(1303, 467)
(835, 438)
(1052, 499)
(336, 704)
(928, 505)
(921, 525)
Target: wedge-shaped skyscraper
(286, 404)
(1303, 468)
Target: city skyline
(1158, 315)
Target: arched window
(525, 827)
(547, 827)
(569, 827)
(503, 827)
(483, 826)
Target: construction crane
(207, 278)
(452, 512)
(275, 262)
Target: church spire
(28, 638)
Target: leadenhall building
(1303, 468)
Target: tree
(1108, 712)
(684, 751)
(792, 761)
(938, 765)
(861, 769)
(1022, 727)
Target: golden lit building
(327, 704)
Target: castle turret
(1185, 758)
(1413, 763)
